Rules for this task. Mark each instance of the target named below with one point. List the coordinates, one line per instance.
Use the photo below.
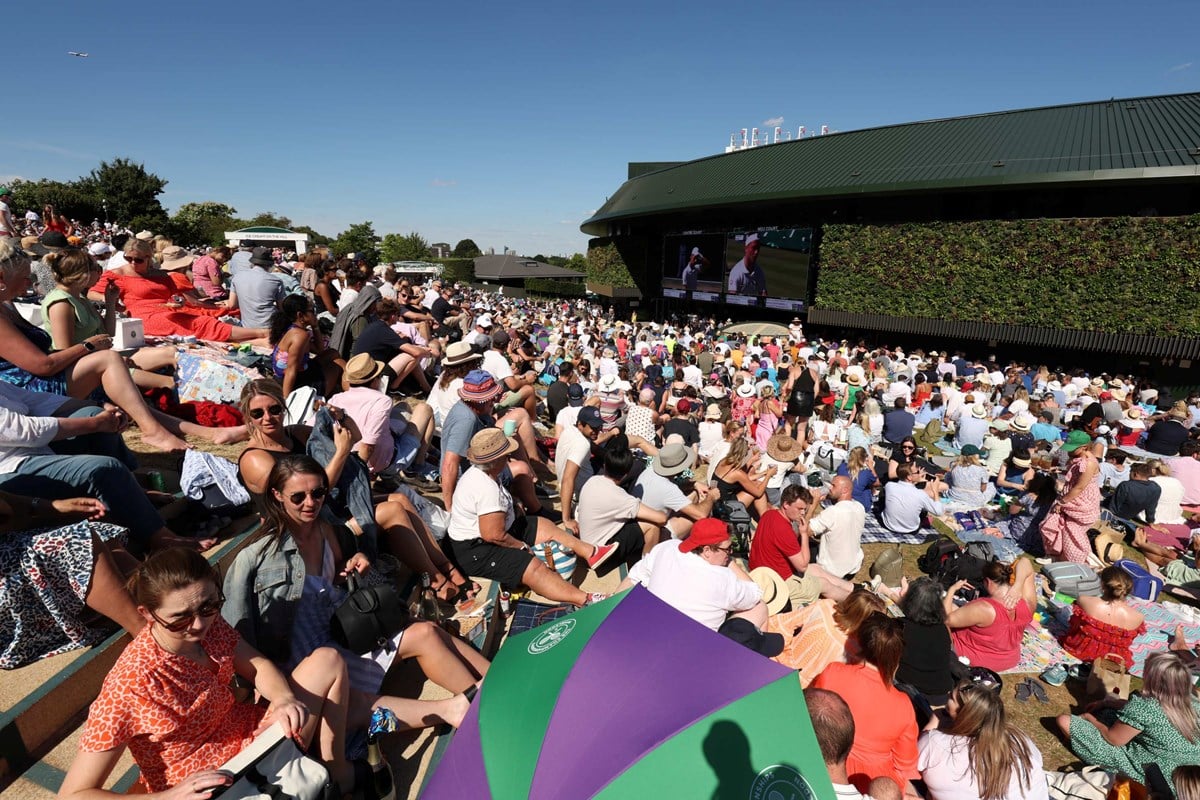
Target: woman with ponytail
(980, 755)
(988, 630)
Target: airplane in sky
(77, 55)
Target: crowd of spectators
(559, 434)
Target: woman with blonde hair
(736, 478)
(871, 418)
(968, 479)
(166, 302)
(980, 753)
(858, 469)
(1159, 724)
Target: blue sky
(509, 123)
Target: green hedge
(457, 270)
(554, 287)
(605, 266)
(1118, 275)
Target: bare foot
(231, 435)
(459, 705)
(165, 441)
(1179, 643)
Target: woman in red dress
(1105, 624)
(166, 303)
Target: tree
(130, 191)
(360, 239)
(202, 223)
(577, 262)
(412, 247)
(314, 238)
(466, 249)
(269, 219)
(67, 198)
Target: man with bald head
(839, 528)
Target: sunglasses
(727, 548)
(318, 494)
(908, 449)
(136, 260)
(209, 609)
(274, 410)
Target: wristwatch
(91, 348)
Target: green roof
(1146, 138)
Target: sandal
(1024, 690)
(1039, 692)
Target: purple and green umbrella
(629, 698)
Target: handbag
(557, 558)
(369, 616)
(889, 567)
(272, 767)
(1108, 677)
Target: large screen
(768, 268)
(694, 266)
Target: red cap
(707, 531)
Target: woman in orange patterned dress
(168, 697)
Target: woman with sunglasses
(903, 453)
(166, 302)
(284, 587)
(27, 361)
(168, 697)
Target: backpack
(966, 565)
(936, 554)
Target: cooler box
(1075, 580)
(1145, 585)
(129, 334)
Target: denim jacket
(262, 589)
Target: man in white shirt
(698, 577)
(839, 529)
(431, 294)
(496, 362)
(573, 461)
(608, 514)
(8, 226)
(904, 501)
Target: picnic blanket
(207, 372)
(873, 531)
(1039, 645)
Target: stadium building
(1062, 227)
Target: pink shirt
(371, 410)
(206, 276)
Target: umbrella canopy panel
(756, 329)
(630, 698)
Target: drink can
(156, 481)
(505, 600)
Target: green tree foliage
(577, 262)
(67, 198)
(466, 249)
(268, 219)
(130, 191)
(202, 223)
(359, 238)
(314, 238)
(458, 270)
(412, 247)
(1117, 275)
(606, 267)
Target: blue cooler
(1145, 585)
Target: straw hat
(460, 353)
(774, 590)
(979, 411)
(362, 369)
(1022, 423)
(713, 411)
(782, 447)
(854, 379)
(490, 445)
(1133, 419)
(1108, 544)
(175, 257)
(746, 390)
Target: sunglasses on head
(274, 410)
(209, 609)
(296, 498)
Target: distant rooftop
(512, 267)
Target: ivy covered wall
(1118, 275)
